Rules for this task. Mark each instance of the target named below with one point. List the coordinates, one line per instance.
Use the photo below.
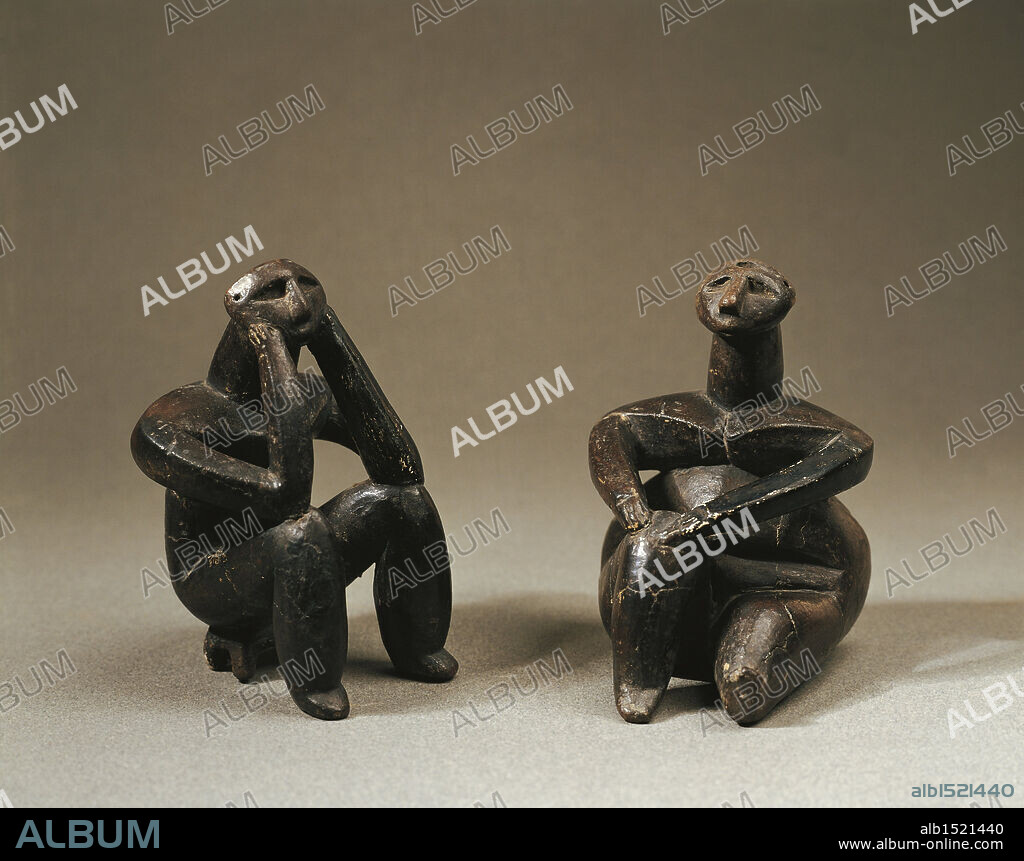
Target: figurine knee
(311, 528)
(659, 563)
(304, 560)
(417, 508)
(383, 508)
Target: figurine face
(281, 293)
(742, 297)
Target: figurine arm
(385, 446)
(332, 427)
(174, 457)
(289, 440)
(625, 442)
(837, 465)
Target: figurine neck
(745, 367)
(234, 369)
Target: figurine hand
(261, 335)
(671, 527)
(633, 513)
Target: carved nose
(300, 306)
(730, 301)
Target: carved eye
(756, 287)
(274, 290)
(718, 282)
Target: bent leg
(646, 608)
(310, 618)
(782, 617)
(414, 621)
(398, 528)
(770, 642)
(279, 593)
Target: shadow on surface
(891, 644)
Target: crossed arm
(830, 460)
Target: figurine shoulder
(803, 414)
(689, 407)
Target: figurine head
(743, 297)
(282, 294)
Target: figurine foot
(323, 705)
(637, 705)
(745, 696)
(241, 658)
(439, 666)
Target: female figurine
(735, 564)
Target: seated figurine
(240, 444)
(735, 563)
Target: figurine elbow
(273, 487)
(867, 452)
(144, 448)
(138, 440)
(864, 446)
(861, 448)
(607, 428)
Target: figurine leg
(779, 618)
(398, 528)
(285, 580)
(771, 642)
(310, 618)
(644, 620)
(744, 622)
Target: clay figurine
(735, 564)
(248, 554)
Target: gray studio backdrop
(650, 148)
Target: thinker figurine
(735, 564)
(278, 592)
